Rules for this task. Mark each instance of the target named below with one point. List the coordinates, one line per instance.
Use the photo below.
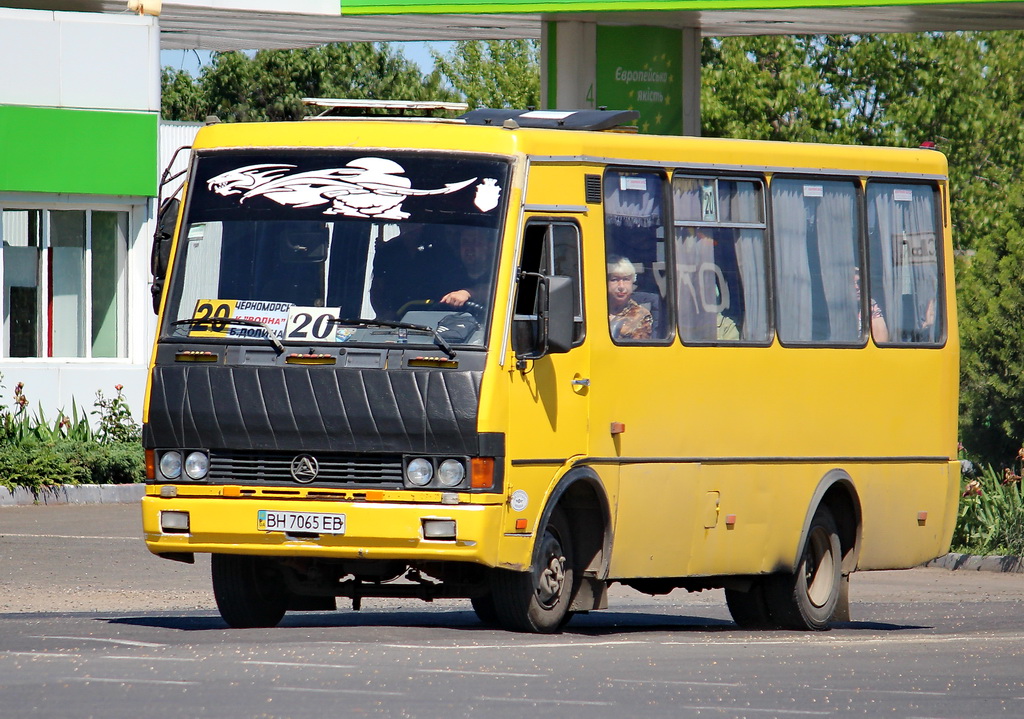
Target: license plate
(271, 521)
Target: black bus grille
(384, 471)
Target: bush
(991, 515)
(36, 453)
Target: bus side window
(816, 240)
(549, 248)
(635, 236)
(721, 268)
(903, 249)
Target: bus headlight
(451, 473)
(197, 464)
(170, 464)
(419, 472)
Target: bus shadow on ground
(602, 624)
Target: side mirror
(558, 318)
(166, 221)
(550, 330)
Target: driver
(475, 286)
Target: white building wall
(79, 60)
(88, 61)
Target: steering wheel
(474, 308)
(414, 303)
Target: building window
(65, 284)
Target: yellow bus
(518, 356)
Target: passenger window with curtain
(637, 269)
(815, 227)
(65, 284)
(721, 269)
(903, 231)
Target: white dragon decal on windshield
(371, 187)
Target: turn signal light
(481, 472)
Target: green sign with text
(639, 68)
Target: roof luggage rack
(349, 107)
(617, 120)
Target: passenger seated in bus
(626, 318)
(879, 330)
(474, 283)
(651, 301)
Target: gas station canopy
(256, 24)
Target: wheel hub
(551, 577)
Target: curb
(970, 562)
(73, 494)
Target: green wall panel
(46, 149)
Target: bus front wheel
(247, 590)
(538, 601)
(750, 609)
(807, 599)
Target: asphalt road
(92, 625)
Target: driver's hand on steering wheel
(456, 298)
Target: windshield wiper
(233, 321)
(438, 339)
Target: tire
(485, 609)
(248, 591)
(750, 609)
(807, 599)
(538, 601)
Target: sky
(191, 60)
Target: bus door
(549, 404)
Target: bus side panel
(906, 518)
(655, 503)
(693, 520)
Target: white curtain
(753, 275)
(904, 257)
(793, 272)
(837, 252)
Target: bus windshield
(330, 247)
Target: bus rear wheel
(807, 599)
(249, 593)
(538, 601)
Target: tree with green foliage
(991, 295)
(960, 90)
(493, 73)
(271, 84)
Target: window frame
(547, 221)
(668, 300)
(860, 244)
(764, 226)
(938, 215)
(126, 336)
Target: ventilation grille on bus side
(335, 469)
(592, 186)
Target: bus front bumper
(371, 530)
